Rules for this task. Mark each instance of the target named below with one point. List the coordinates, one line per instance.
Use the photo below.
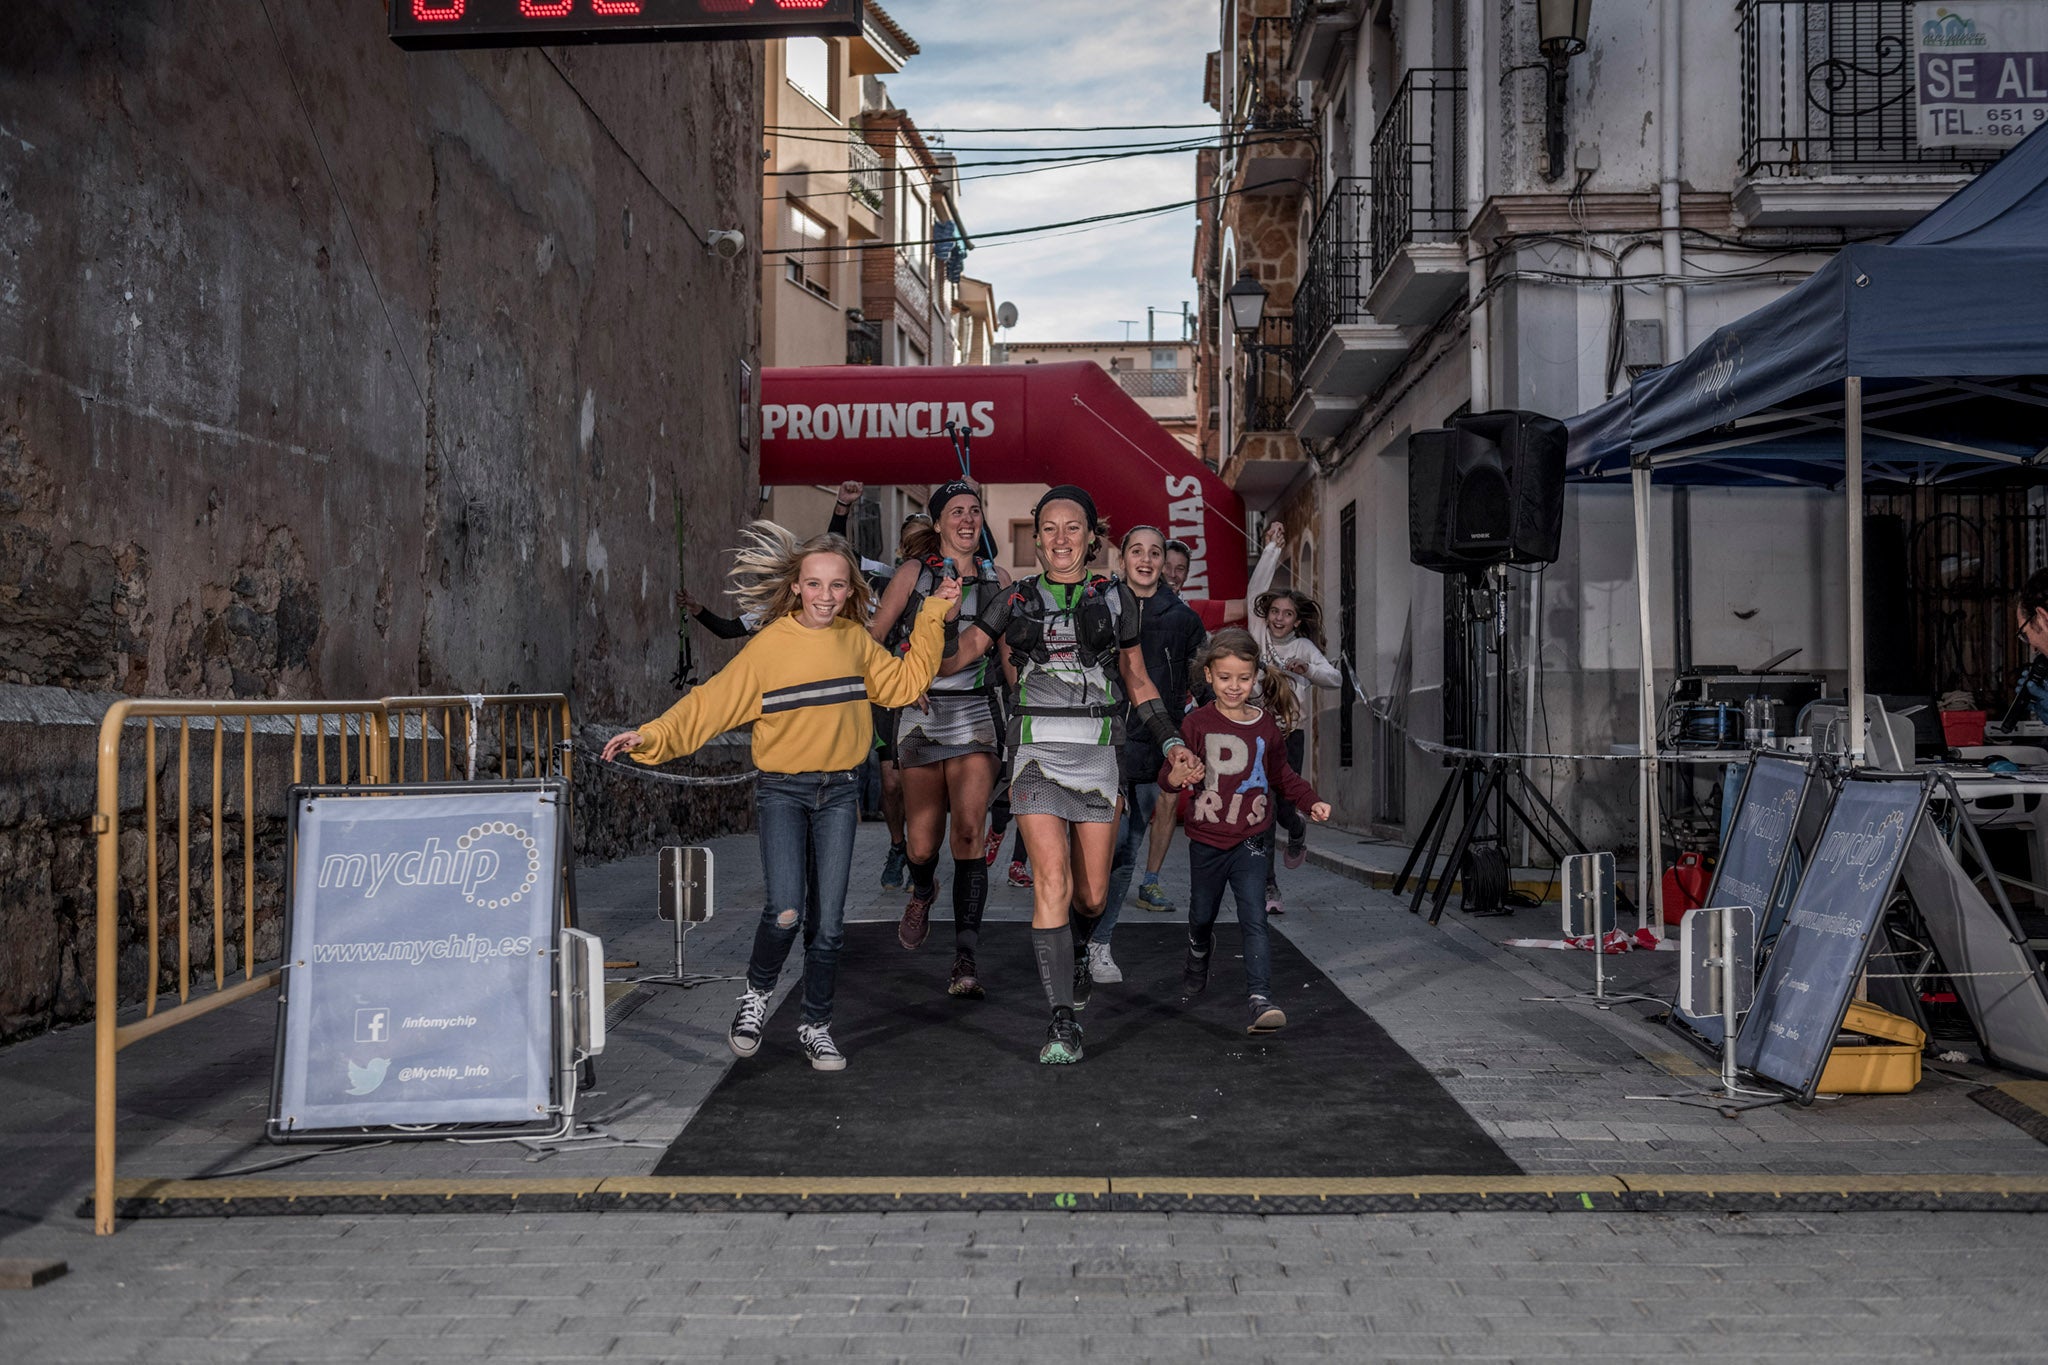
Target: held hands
(1186, 768)
(1320, 812)
(623, 742)
(1296, 666)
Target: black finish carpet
(942, 1087)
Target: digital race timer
(500, 23)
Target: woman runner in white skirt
(947, 741)
(1071, 652)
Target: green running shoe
(1062, 1040)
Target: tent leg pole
(1649, 840)
(1852, 415)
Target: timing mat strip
(1652, 1193)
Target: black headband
(1067, 492)
(946, 492)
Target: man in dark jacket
(1170, 634)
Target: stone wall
(329, 370)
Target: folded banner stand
(1774, 820)
(1588, 910)
(431, 988)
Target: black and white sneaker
(1264, 1016)
(1084, 980)
(1194, 972)
(1062, 1040)
(816, 1041)
(745, 1034)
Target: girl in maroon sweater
(1229, 815)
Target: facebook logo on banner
(373, 1026)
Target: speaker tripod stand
(1494, 790)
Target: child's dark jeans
(1243, 870)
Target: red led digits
(437, 11)
(544, 9)
(801, 4)
(615, 6)
(727, 6)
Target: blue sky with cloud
(1069, 63)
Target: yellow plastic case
(1888, 1067)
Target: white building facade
(1491, 228)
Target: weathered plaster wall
(330, 370)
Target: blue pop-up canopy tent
(1922, 360)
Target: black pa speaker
(1488, 489)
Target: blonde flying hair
(1234, 642)
(766, 564)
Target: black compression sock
(970, 895)
(922, 875)
(1054, 950)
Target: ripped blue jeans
(806, 823)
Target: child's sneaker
(1194, 972)
(1020, 875)
(816, 1041)
(1297, 848)
(964, 984)
(1152, 896)
(744, 1037)
(1101, 966)
(1265, 1016)
(1062, 1040)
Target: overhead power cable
(1071, 128)
(1050, 162)
(1224, 141)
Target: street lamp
(1561, 36)
(1247, 300)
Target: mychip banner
(1835, 916)
(421, 959)
(1980, 71)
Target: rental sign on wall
(1981, 71)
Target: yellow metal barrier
(393, 739)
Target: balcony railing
(1338, 271)
(1418, 164)
(863, 343)
(864, 172)
(1265, 103)
(1153, 383)
(1269, 375)
(1828, 88)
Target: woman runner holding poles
(805, 680)
(1229, 818)
(946, 743)
(1071, 642)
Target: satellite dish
(1006, 315)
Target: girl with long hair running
(1072, 648)
(805, 680)
(1229, 820)
(1288, 626)
(946, 742)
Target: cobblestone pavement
(1550, 1081)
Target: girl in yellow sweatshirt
(805, 681)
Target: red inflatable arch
(1066, 423)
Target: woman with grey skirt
(1072, 656)
(947, 740)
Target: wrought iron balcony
(1266, 101)
(1269, 375)
(864, 172)
(1153, 383)
(1338, 266)
(1828, 88)
(863, 343)
(1418, 164)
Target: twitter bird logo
(363, 1079)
